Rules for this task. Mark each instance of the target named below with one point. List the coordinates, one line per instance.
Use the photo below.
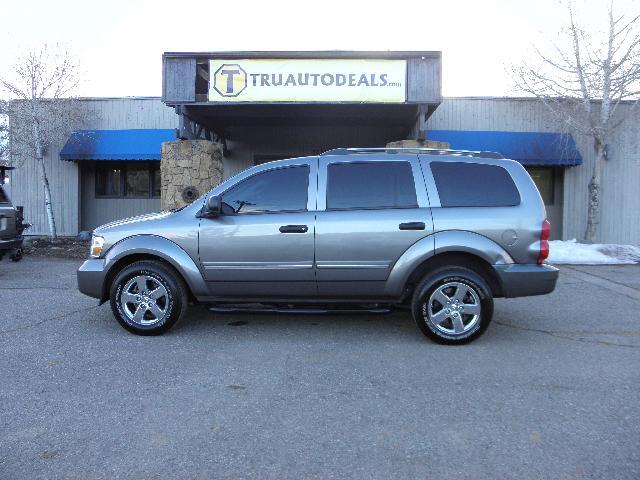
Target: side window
(462, 184)
(281, 189)
(3, 196)
(370, 185)
(134, 180)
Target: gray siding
(64, 178)
(620, 191)
(424, 80)
(26, 190)
(179, 80)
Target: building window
(139, 180)
(108, 182)
(543, 177)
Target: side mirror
(213, 207)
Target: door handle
(294, 229)
(412, 226)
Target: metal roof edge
(293, 54)
(518, 98)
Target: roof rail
(428, 151)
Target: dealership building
(221, 113)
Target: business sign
(306, 80)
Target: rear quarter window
(463, 184)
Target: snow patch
(572, 252)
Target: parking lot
(551, 391)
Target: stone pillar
(188, 169)
(419, 144)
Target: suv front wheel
(148, 297)
(452, 305)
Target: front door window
(278, 190)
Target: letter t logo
(229, 80)
(230, 74)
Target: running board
(300, 311)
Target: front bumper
(519, 280)
(91, 275)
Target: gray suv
(439, 232)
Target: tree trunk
(593, 213)
(45, 182)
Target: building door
(369, 216)
(262, 245)
(550, 183)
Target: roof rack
(428, 151)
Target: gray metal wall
(621, 176)
(179, 79)
(424, 80)
(64, 177)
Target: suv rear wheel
(148, 298)
(452, 305)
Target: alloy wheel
(454, 308)
(144, 300)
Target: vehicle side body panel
(92, 274)
(443, 242)
(248, 255)
(515, 228)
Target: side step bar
(298, 310)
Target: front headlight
(96, 246)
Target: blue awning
(528, 148)
(116, 144)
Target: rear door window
(370, 185)
(463, 184)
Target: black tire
(173, 303)
(450, 279)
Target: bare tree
(583, 79)
(40, 111)
(4, 134)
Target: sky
(119, 44)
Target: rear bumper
(526, 280)
(91, 276)
(11, 244)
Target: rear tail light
(545, 233)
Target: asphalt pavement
(551, 391)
